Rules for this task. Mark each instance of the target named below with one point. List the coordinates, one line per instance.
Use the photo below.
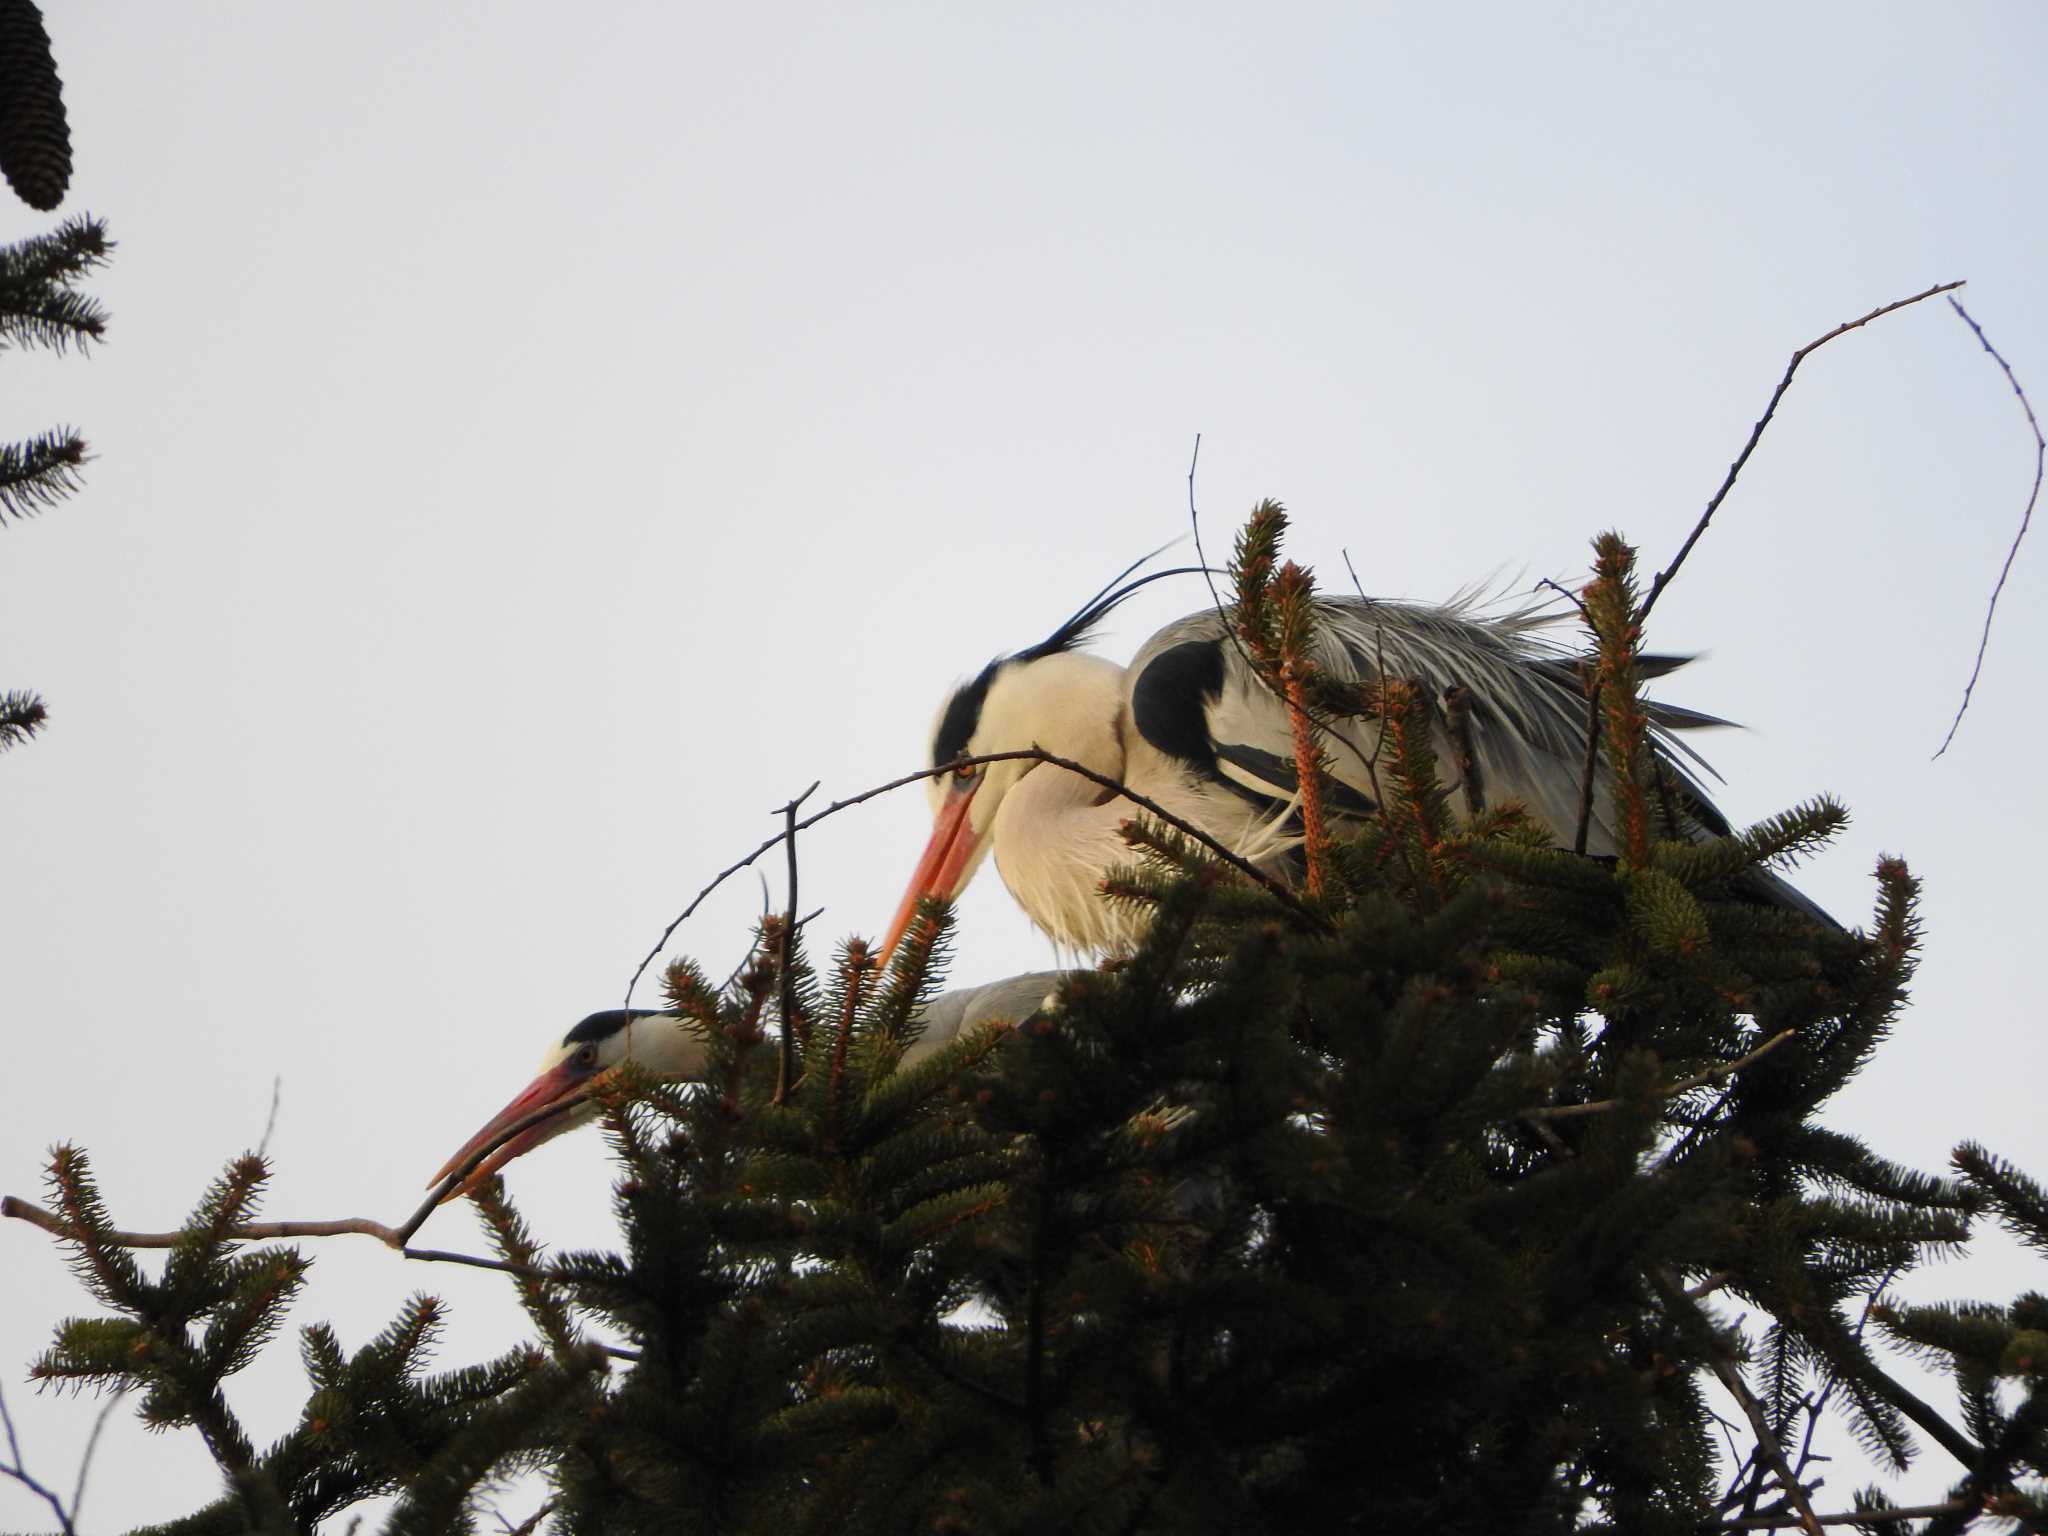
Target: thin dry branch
(1780, 1522)
(1730, 1374)
(1590, 770)
(263, 1231)
(1756, 433)
(1025, 754)
(785, 1071)
(2026, 517)
(13, 1468)
(1714, 1074)
(270, 1124)
(92, 1445)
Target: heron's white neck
(1055, 832)
(666, 1046)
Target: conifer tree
(39, 307)
(1460, 1193)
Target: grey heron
(1190, 725)
(662, 1043)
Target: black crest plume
(963, 710)
(1099, 607)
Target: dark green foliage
(1461, 1198)
(1265, 1228)
(35, 140)
(38, 308)
(40, 472)
(38, 305)
(375, 1423)
(1998, 1356)
(21, 715)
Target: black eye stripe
(963, 713)
(602, 1026)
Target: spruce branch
(40, 472)
(1624, 726)
(1275, 623)
(22, 714)
(1317, 717)
(2021, 1203)
(521, 1255)
(39, 315)
(75, 247)
(38, 307)
(2026, 519)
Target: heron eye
(966, 771)
(587, 1057)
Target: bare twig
(1756, 432)
(1379, 665)
(2026, 517)
(1730, 1374)
(270, 1125)
(532, 1522)
(14, 1469)
(1569, 596)
(1026, 754)
(1850, 1517)
(261, 1231)
(1590, 768)
(255, 1231)
(92, 1444)
(1719, 1073)
(786, 1067)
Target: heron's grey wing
(1525, 707)
(1014, 998)
(1192, 695)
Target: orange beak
(946, 857)
(555, 1095)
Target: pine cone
(35, 143)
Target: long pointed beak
(559, 1088)
(938, 872)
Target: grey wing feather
(1526, 709)
(1014, 998)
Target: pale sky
(531, 447)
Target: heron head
(559, 1097)
(1065, 702)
